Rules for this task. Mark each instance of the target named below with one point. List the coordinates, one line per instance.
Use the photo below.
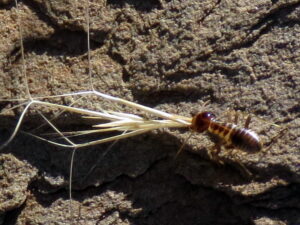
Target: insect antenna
(183, 145)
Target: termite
(227, 134)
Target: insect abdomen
(241, 138)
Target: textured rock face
(170, 55)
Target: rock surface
(170, 55)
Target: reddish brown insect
(227, 134)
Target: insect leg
(236, 117)
(247, 121)
(213, 153)
(233, 154)
(242, 167)
(229, 114)
(182, 146)
(232, 116)
(275, 138)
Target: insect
(230, 136)
(227, 134)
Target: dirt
(172, 56)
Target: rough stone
(170, 55)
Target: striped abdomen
(231, 135)
(227, 134)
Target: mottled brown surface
(171, 55)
